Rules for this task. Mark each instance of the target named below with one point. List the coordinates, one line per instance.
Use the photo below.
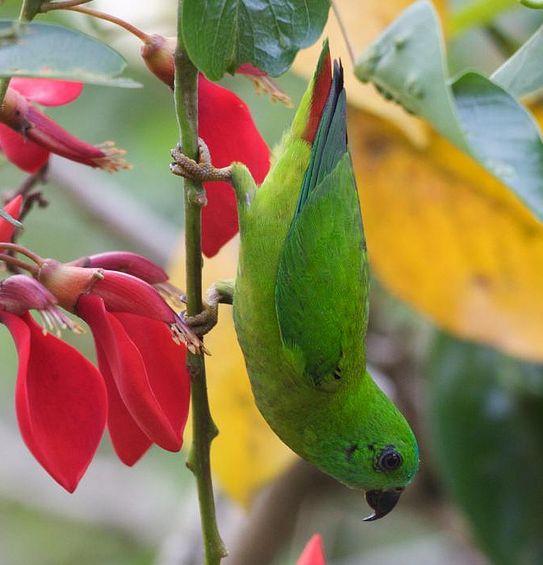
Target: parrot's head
(378, 450)
(385, 456)
(392, 461)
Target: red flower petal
(226, 125)
(313, 554)
(13, 208)
(60, 401)
(129, 442)
(26, 154)
(122, 292)
(165, 362)
(46, 91)
(125, 262)
(128, 368)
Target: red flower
(226, 125)
(313, 554)
(27, 136)
(138, 341)
(13, 208)
(60, 399)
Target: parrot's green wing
(322, 281)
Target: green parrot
(300, 301)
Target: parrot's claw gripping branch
(205, 321)
(200, 171)
(220, 293)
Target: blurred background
(477, 408)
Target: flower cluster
(28, 136)
(141, 387)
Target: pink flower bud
(20, 293)
(66, 282)
(158, 54)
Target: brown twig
(140, 34)
(48, 6)
(11, 260)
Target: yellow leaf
(246, 454)
(443, 234)
(364, 22)
(449, 239)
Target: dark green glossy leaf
(52, 51)
(221, 35)
(487, 424)
(407, 63)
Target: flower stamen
(182, 334)
(55, 321)
(171, 294)
(112, 159)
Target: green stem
(29, 9)
(203, 427)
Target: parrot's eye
(389, 459)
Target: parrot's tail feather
(322, 81)
(331, 138)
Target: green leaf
(478, 13)
(221, 35)
(407, 64)
(487, 426)
(522, 73)
(534, 4)
(52, 51)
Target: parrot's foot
(200, 171)
(205, 321)
(202, 323)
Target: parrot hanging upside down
(301, 301)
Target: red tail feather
(323, 81)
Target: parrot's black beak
(382, 502)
